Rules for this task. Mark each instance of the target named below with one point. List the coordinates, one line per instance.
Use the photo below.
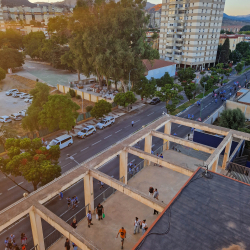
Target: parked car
(11, 91)
(22, 112)
(107, 121)
(86, 131)
(155, 100)
(16, 117)
(5, 119)
(24, 96)
(62, 141)
(16, 94)
(28, 99)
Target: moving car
(16, 117)
(107, 121)
(22, 112)
(62, 141)
(11, 91)
(155, 100)
(5, 119)
(24, 96)
(86, 131)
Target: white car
(5, 119)
(22, 112)
(16, 94)
(86, 131)
(24, 96)
(28, 99)
(11, 91)
(16, 117)
(107, 121)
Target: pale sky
(232, 7)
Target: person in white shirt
(137, 225)
(144, 226)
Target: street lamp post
(203, 97)
(129, 84)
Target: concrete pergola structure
(33, 204)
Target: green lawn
(207, 92)
(225, 81)
(243, 71)
(184, 106)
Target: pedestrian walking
(101, 184)
(161, 156)
(122, 233)
(192, 116)
(76, 201)
(151, 191)
(6, 242)
(74, 246)
(61, 196)
(215, 100)
(89, 217)
(188, 136)
(137, 224)
(132, 123)
(144, 226)
(68, 201)
(130, 172)
(74, 223)
(67, 244)
(23, 239)
(156, 196)
(72, 202)
(99, 211)
(23, 247)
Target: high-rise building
(2, 26)
(190, 31)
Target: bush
(2, 74)
(89, 108)
(72, 93)
(78, 97)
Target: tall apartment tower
(190, 32)
(2, 26)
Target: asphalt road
(81, 150)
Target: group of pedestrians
(155, 194)
(72, 202)
(161, 156)
(138, 224)
(67, 245)
(133, 169)
(10, 242)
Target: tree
(2, 74)
(232, 118)
(245, 28)
(40, 96)
(28, 158)
(239, 67)
(33, 43)
(145, 88)
(11, 39)
(186, 74)
(6, 132)
(58, 111)
(169, 92)
(243, 48)
(124, 99)
(225, 52)
(235, 56)
(100, 109)
(10, 58)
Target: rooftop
(245, 99)
(207, 213)
(156, 64)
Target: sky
(232, 7)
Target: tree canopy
(11, 39)
(245, 28)
(2, 74)
(225, 52)
(100, 109)
(232, 118)
(124, 99)
(10, 58)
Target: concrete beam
(63, 227)
(215, 155)
(198, 125)
(130, 191)
(227, 153)
(183, 142)
(159, 161)
(235, 150)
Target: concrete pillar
(64, 89)
(83, 95)
(37, 230)
(226, 154)
(215, 165)
(89, 192)
(124, 166)
(148, 148)
(167, 130)
(90, 97)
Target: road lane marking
(107, 137)
(118, 131)
(84, 149)
(96, 143)
(66, 164)
(150, 114)
(137, 121)
(15, 186)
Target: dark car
(155, 101)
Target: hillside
(243, 18)
(12, 3)
(149, 5)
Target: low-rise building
(232, 28)
(155, 42)
(233, 39)
(157, 68)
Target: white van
(62, 141)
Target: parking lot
(10, 105)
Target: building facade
(155, 16)
(233, 40)
(2, 27)
(190, 31)
(232, 28)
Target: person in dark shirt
(67, 244)
(74, 223)
(99, 211)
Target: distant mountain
(243, 18)
(13, 3)
(149, 5)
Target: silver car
(86, 132)
(16, 117)
(11, 91)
